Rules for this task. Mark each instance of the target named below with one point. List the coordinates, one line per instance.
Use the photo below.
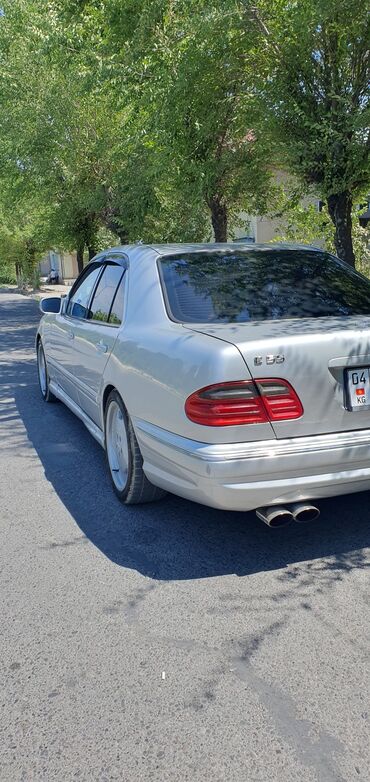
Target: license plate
(358, 388)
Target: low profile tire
(125, 461)
(43, 375)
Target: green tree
(314, 80)
(155, 120)
(56, 132)
(22, 241)
(183, 73)
(207, 112)
(303, 223)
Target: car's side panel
(59, 351)
(92, 346)
(53, 331)
(156, 370)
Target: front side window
(253, 285)
(105, 294)
(78, 303)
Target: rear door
(60, 344)
(95, 335)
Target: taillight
(280, 400)
(243, 402)
(226, 404)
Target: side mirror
(51, 304)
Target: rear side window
(272, 284)
(116, 313)
(105, 294)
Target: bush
(8, 275)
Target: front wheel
(124, 458)
(43, 375)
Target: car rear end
(300, 320)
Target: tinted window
(116, 314)
(232, 287)
(105, 292)
(77, 306)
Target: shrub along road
(168, 642)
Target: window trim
(106, 322)
(117, 325)
(163, 288)
(114, 258)
(75, 287)
(118, 258)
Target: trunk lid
(316, 352)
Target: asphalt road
(168, 642)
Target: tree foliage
(314, 81)
(160, 121)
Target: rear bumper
(244, 476)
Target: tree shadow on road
(178, 539)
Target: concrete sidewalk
(46, 289)
(51, 290)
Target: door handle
(101, 347)
(71, 335)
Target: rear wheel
(43, 375)
(124, 458)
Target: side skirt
(93, 428)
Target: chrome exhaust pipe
(275, 516)
(304, 512)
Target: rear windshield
(239, 286)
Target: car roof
(176, 248)
(169, 249)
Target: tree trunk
(340, 207)
(92, 252)
(80, 257)
(218, 209)
(123, 236)
(111, 219)
(18, 272)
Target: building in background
(63, 263)
(264, 228)
(260, 229)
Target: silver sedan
(234, 375)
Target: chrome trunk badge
(278, 359)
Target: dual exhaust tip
(278, 516)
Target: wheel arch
(108, 389)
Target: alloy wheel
(117, 445)
(42, 371)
